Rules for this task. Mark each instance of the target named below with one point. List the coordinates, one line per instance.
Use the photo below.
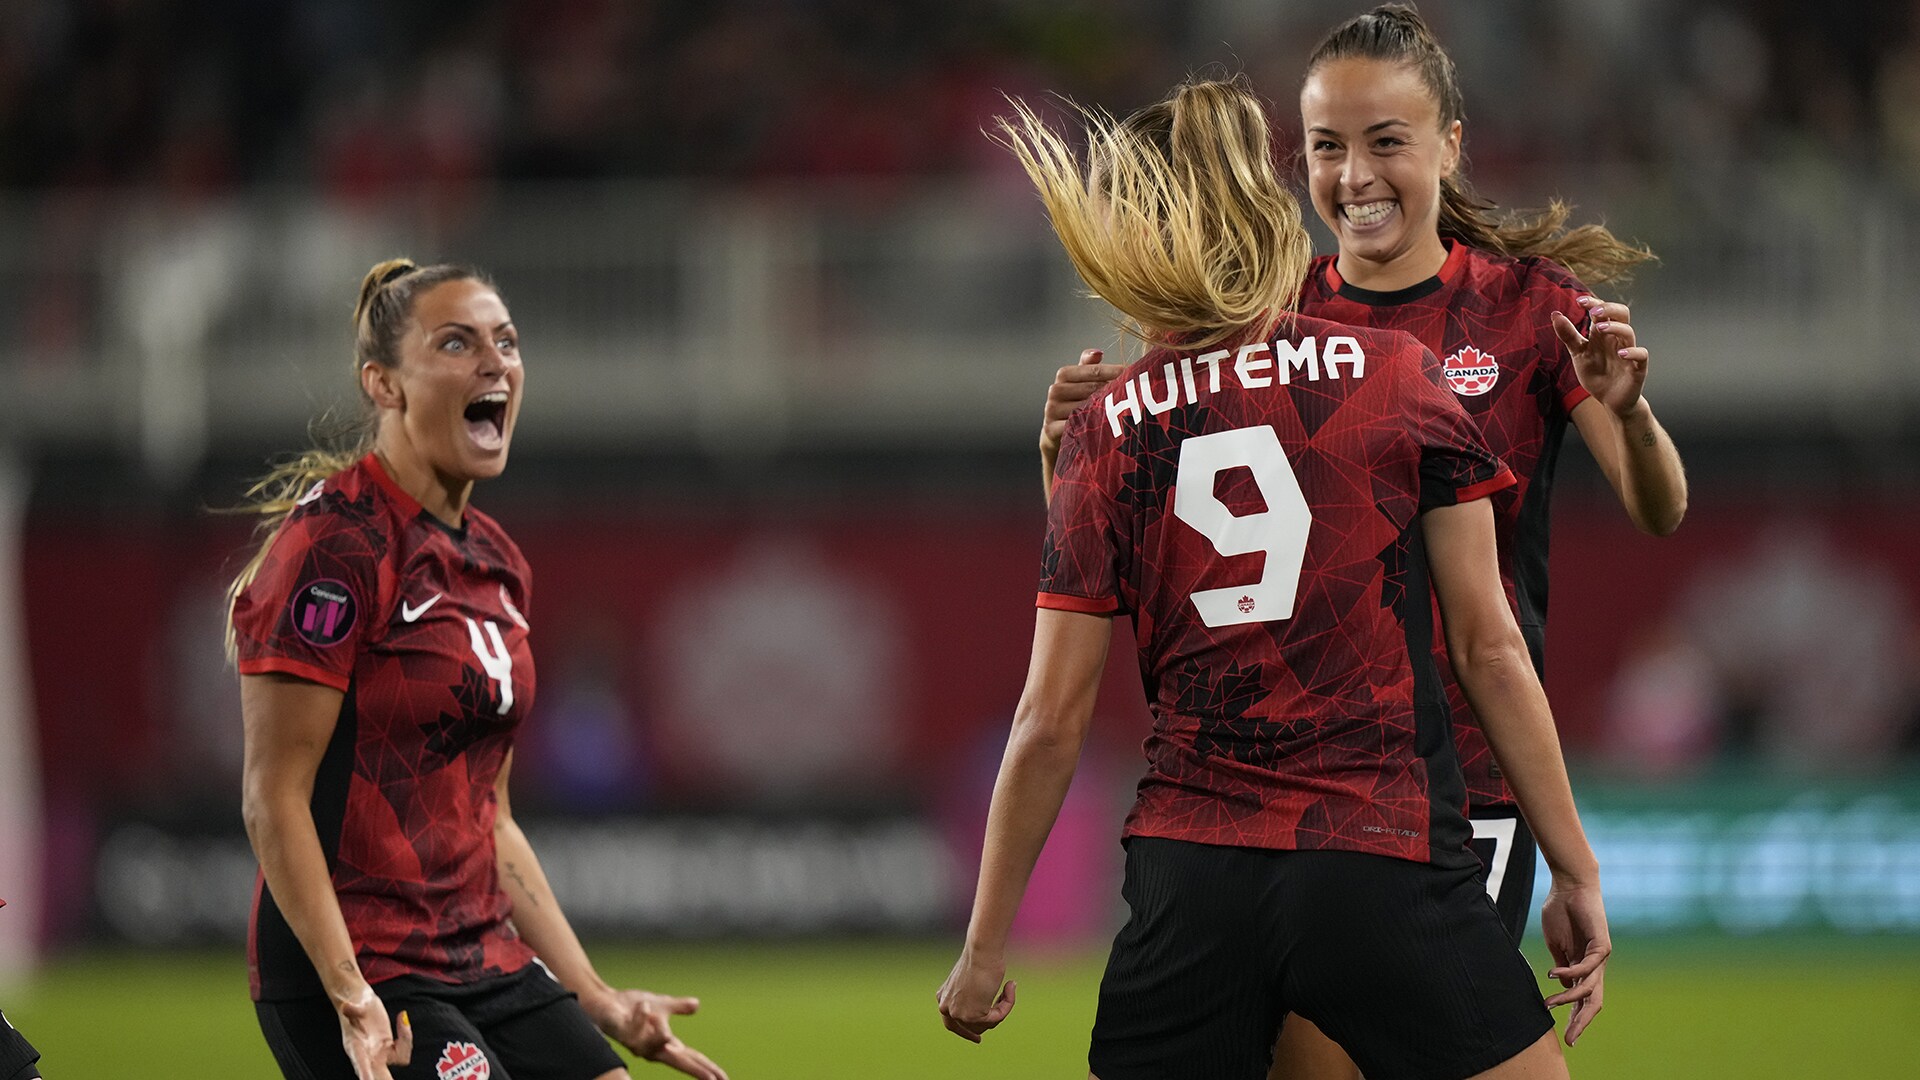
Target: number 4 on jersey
(1280, 530)
(497, 661)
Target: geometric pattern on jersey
(1499, 308)
(428, 645)
(1324, 728)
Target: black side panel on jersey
(1447, 830)
(285, 970)
(1530, 543)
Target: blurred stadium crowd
(359, 98)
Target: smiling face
(1376, 152)
(451, 402)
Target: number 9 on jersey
(1280, 530)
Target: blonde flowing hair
(380, 315)
(1178, 217)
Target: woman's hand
(1072, 386)
(637, 1020)
(372, 1042)
(1575, 925)
(972, 1001)
(1609, 363)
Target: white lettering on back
(1244, 365)
(1289, 360)
(1131, 407)
(1345, 349)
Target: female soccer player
(1383, 119)
(402, 926)
(1270, 497)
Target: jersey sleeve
(1086, 544)
(1455, 464)
(315, 599)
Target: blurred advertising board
(1751, 855)
(774, 673)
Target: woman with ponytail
(1502, 299)
(402, 926)
(1277, 500)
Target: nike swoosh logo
(409, 614)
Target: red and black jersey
(1256, 508)
(1488, 317)
(423, 627)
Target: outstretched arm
(637, 1019)
(1618, 426)
(1049, 726)
(1490, 659)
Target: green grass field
(1827, 1009)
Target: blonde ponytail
(1178, 218)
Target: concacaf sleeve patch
(324, 612)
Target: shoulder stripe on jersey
(1503, 479)
(285, 666)
(1104, 605)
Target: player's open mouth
(1367, 215)
(486, 418)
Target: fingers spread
(1592, 956)
(1621, 334)
(1569, 335)
(692, 1062)
(1583, 1014)
(1578, 992)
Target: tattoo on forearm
(514, 873)
(346, 966)
(1647, 439)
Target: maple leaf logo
(1471, 372)
(462, 1061)
(475, 716)
(1221, 705)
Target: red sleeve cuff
(1499, 481)
(1574, 397)
(285, 666)
(1098, 605)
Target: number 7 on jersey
(1280, 530)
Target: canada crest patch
(462, 1061)
(1471, 372)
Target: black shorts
(523, 1026)
(1404, 964)
(17, 1055)
(1507, 856)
